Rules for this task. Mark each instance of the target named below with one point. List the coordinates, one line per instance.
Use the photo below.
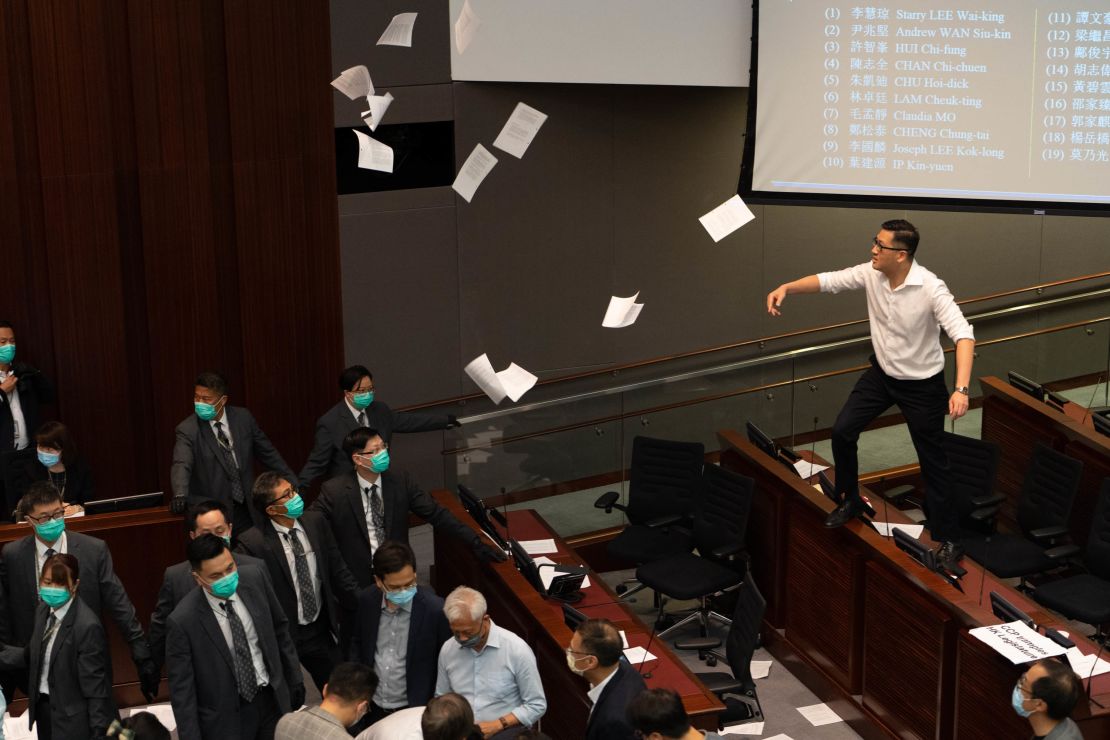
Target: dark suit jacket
(428, 630)
(100, 589)
(608, 720)
(337, 586)
(79, 480)
(35, 389)
(340, 500)
(176, 584)
(203, 691)
(200, 470)
(327, 458)
(80, 682)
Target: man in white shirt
(907, 306)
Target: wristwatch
(963, 389)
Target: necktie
(362, 418)
(377, 513)
(51, 626)
(229, 458)
(304, 577)
(241, 653)
(50, 552)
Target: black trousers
(924, 404)
(317, 650)
(258, 717)
(42, 717)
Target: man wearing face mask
(230, 661)
(346, 696)
(310, 579)
(371, 504)
(595, 653)
(215, 451)
(23, 390)
(21, 561)
(207, 517)
(509, 696)
(1045, 695)
(357, 409)
(399, 630)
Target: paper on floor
(748, 728)
(819, 714)
(760, 668)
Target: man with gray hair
(509, 697)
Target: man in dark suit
(215, 452)
(207, 517)
(356, 409)
(231, 663)
(23, 390)
(595, 654)
(370, 505)
(399, 631)
(310, 579)
(21, 562)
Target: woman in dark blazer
(57, 461)
(73, 700)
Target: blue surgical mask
(362, 399)
(402, 597)
(49, 459)
(7, 353)
(379, 462)
(54, 596)
(50, 531)
(225, 587)
(294, 507)
(206, 411)
(1017, 700)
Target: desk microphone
(1091, 675)
(1091, 402)
(812, 445)
(640, 670)
(886, 511)
(505, 510)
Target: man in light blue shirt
(492, 668)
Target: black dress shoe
(949, 554)
(844, 513)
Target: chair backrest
(1097, 555)
(1048, 490)
(972, 467)
(664, 479)
(721, 515)
(743, 635)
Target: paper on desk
(1016, 642)
(399, 31)
(519, 130)
(1082, 664)
(354, 82)
(806, 469)
(465, 27)
(514, 381)
(624, 640)
(637, 655)
(548, 573)
(748, 728)
(726, 218)
(887, 530)
(819, 714)
(373, 155)
(622, 312)
(760, 668)
(538, 547)
(473, 171)
(379, 104)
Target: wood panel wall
(167, 205)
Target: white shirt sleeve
(948, 314)
(850, 278)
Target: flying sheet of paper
(806, 469)
(622, 312)
(354, 82)
(887, 530)
(465, 27)
(473, 171)
(538, 547)
(748, 728)
(379, 104)
(517, 133)
(819, 714)
(1082, 664)
(514, 381)
(399, 31)
(760, 668)
(637, 655)
(373, 155)
(726, 218)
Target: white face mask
(572, 664)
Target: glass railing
(564, 444)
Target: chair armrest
(720, 683)
(608, 501)
(896, 494)
(698, 643)
(1062, 551)
(1048, 533)
(666, 520)
(727, 552)
(982, 502)
(985, 515)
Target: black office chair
(720, 526)
(1047, 494)
(742, 640)
(1086, 596)
(664, 478)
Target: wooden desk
(1016, 422)
(864, 618)
(515, 605)
(143, 544)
